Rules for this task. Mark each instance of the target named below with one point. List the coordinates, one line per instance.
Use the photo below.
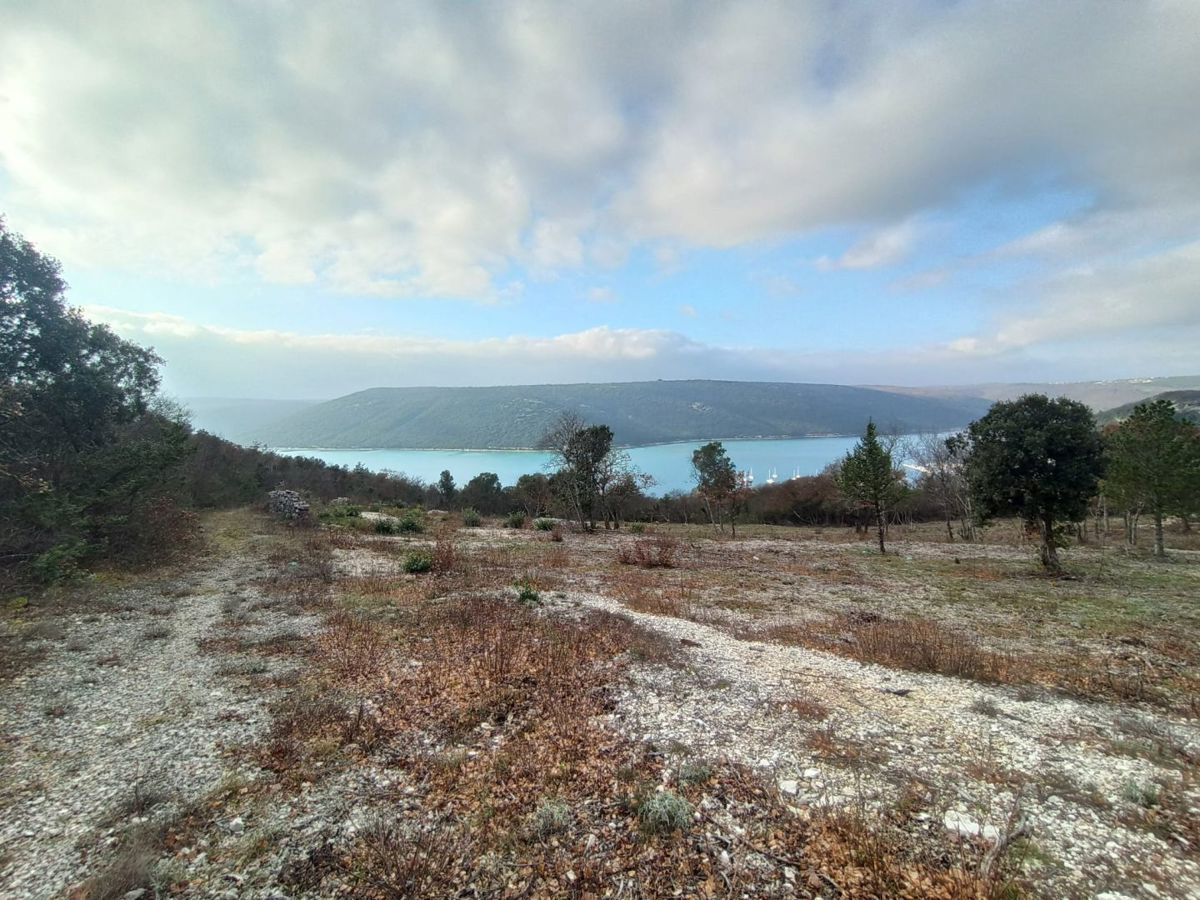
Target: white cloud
(423, 148)
(882, 248)
(1157, 291)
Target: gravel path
(980, 746)
(127, 713)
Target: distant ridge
(1186, 403)
(647, 412)
(1099, 395)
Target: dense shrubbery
(94, 464)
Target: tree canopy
(1155, 463)
(1039, 459)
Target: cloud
(600, 294)
(686, 309)
(423, 149)
(882, 248)
(1154, 292)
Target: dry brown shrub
(657, 552)
(353, 645)
(394, 862)
(445, 553)
(920, 645)
(807, 708)
(555, 557)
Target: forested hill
(639, 413)
(1186, 403)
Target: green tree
(1039, 459)
(1154, 463)
(868, 478)
(717, 483)
(446, 488)
(533, 492)
(484, 493)
(85, 458)
(582, 454)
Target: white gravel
(729, 703)
(114, 705)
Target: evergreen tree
(1039, 459)
(1154, 462)
(869, 479)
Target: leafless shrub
(445, 553)
(807, 708)
(132, 867)
(400, 863)
(920, 645)
(353, 645)
(658, 552)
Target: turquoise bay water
(669, 464)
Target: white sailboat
(772, 476)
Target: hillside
(1099, 395)
(235, 418)
(639, 413)
(1187, 404)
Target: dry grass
(658, 552)
(491, 708)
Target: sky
(303, 199)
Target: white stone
(961, 823)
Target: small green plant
(418, 561)
(986, 706)
(1147, 795)
(527, 593)
(471, 518)
(663, 812)
(637, 527)
(695, 771)
(543, 524)
(550, 818)
(515, 520)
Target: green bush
(339, 511)
(663, 812)
(413, 521)
(59, 563)
(387, 526)
(418, 561)
(637, 527)
(515, 520)
(471, 517)
(527, 593)
(543, 524)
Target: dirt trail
(127, 714)
(979, 746)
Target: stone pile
(287, 505)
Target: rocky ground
(132, 714)
(159, 707)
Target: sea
(669, 464)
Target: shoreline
(690, 441)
